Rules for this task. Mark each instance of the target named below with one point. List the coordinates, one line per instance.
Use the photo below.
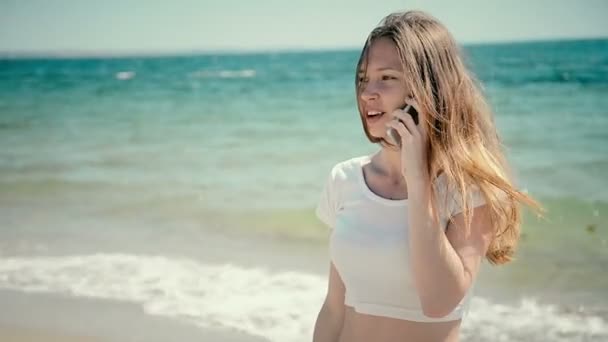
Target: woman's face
(382, 88)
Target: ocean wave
(278, 306)
(245, 73)
(125, 75)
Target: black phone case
(413, 112)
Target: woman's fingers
(403, 131)
(408, 121)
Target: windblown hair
(463, 143)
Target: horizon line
(69, 54)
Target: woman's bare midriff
(360, 327)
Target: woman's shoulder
(348, 169)
(449, 197)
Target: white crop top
(369, 243)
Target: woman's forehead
(382, 55)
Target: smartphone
(393, 134)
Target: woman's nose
(368, 92)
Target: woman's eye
(362, 79)
(386, 78)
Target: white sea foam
(245, 73)
(125, 75)
(279, 306)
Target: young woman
(411, 223)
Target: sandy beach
(25, 334)
(31, 317)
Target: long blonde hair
(463, 141)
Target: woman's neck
(387, 162)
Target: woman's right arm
(331, 316)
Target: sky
(170, 26)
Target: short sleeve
(475, 199)
(327, 204)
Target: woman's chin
(387, 140)
(376, 132)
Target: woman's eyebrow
(382, 69)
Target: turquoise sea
(187, 184)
